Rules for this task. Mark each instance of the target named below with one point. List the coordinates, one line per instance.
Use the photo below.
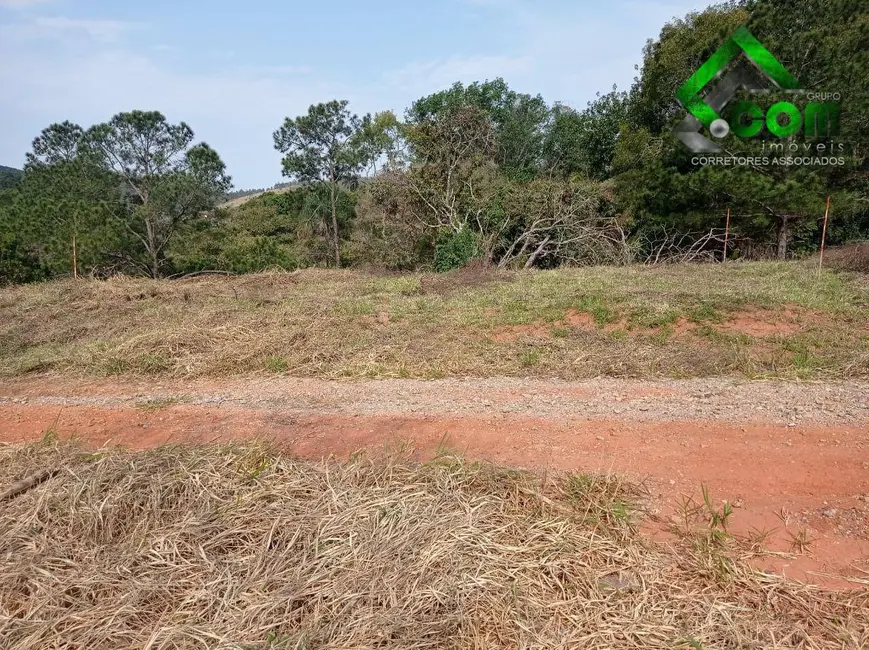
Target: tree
(519, 121)
(825, 45)
(664, 192)
(165, 179)
(63, 197)
(380, 140)
(584, 142)
(455, 168)
(324, 146)
(59, 143)
(682, 46)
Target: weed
(662, 336)
(619, 334)
(800, 541)
(444, 453)
(530, 358)
(276, 364)
(709, 332)
(706, 527)
(717, 518)
(602, 499)
(598, 309)
(704, 312)
(50, 436)
(652, 319)
(757, 538)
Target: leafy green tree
(61, 142)
(63, 199)
(663, 191)
(519, 120)
(18, 262)
(825, 45)
(380, 141)
(584, 142)
(279, 229)
(166, 179)
(325, 147)
(682, 46)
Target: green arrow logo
(741, 41)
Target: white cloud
(429, 76)
(21, 3)
(103, 30)
(235, 109)
(87, 72)
(17, 36)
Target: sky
(234, 70)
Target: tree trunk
(783, 231)
(335, 238)
(152, 247)
(74, 258)
(327, 236)
(536, 253)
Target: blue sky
(234, 70)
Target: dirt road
(792, 457)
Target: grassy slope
(660, 321)
(242, 548)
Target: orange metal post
(824, 237)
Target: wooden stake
(824, 237)
(726, 235)
(74, 258)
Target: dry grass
(641, 322)
(241, 547)
(853, 257)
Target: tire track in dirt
(792, 457)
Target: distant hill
(240, 194)
(9, 176)
(234, 199)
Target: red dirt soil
(780, 477)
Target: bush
(17, 264)
(455, 249)
(258, 254)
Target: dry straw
(243, 547)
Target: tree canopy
(476, 171)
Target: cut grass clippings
(750, 320)
(241, 547)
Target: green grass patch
(598, 308)
(324, 323)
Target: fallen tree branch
(20, 487)
(182, 276)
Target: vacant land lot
(244, 548)
(752, 320)
(608, 543)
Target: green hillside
(9, 176)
